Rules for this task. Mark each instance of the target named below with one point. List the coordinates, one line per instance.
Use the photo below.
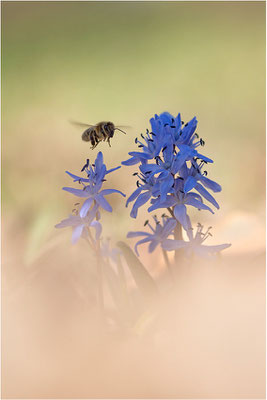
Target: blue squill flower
(195, 244)
(151, 148)
(147, 184)
(92, 185)
(178, 200)
(80, 226)
(158, 236)
(193, 178)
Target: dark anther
(135, 173)
(84, 187)
(148, 172)
(93, 165)
(173, 120)
(173, 126)
(76, 204)
(157, 222)
(205, 173)
(80, 180)
(202, 142)
(136, 140)
(147, 132)
(153, 134)
(181, 191)
(205, 162)
(86, 165)
(142, 136)
(165, 125)
(137, 184)
(164, 148)
(141, 145)
(186, 124)
(182, 122)
(150, 140)
(104, 180)
(196, 135)
(146, 222)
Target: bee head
(109, 128)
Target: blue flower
(195, 244)
(158, 236)
(92, 185)
(178, 200)
(191, 178)
(149, 187)
(80, 225)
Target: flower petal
(168, 227)
(181, 216)
(76, 234)
(142, 199)
(98, 229)
(85, 207)
(103, 202)
(73, 220)
(206, 195)
(77, 178)
(77, 192)
(189, 184)
(153, 245)
(215, 187)
(141, 242)
(110, 191)
(112, 169)
(133, 195)
(131, 161)
(198, 204)
(137, 233)
(169, 244)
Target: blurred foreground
(204, 337)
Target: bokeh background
(124, 62)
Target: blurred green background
(123, 62)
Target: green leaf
(142, 278)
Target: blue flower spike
(172, 175)
(94, 198)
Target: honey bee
(103, 131)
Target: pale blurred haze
(124, 62)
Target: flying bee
(103, 131)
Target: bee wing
(80, 124)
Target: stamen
(86, 165)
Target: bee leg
(109, 142)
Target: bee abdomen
(86, 136)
